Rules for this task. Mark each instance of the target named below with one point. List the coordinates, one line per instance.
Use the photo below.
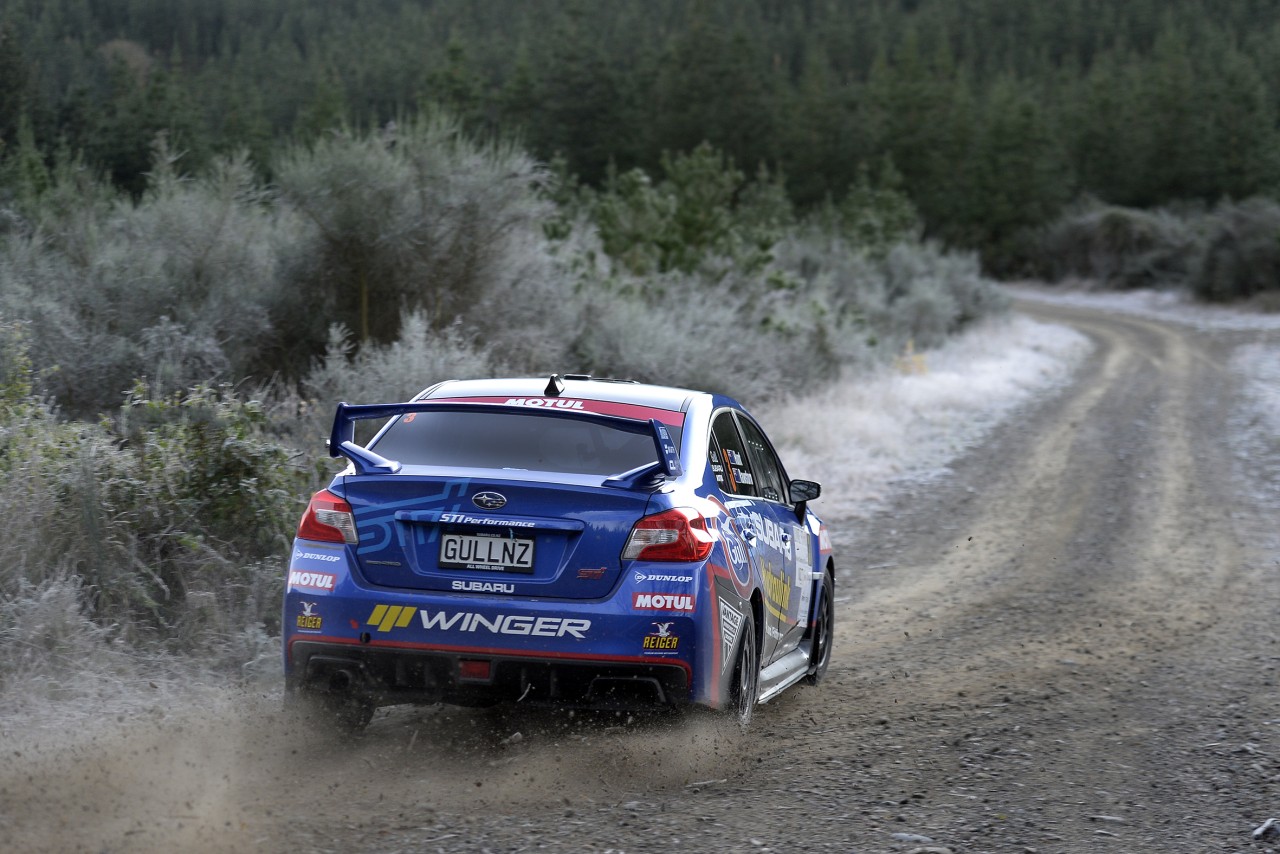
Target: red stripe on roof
(580, 404)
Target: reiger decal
(660, 641)
(312, 580)
(662, 602)
(309, 620)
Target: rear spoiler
(342, 443)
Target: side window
(768, 473)
(735, 476)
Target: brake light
(328, 519)
(676, 535)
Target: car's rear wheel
(823, 631)
(745, 690)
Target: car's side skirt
(783, 673)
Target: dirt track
(1068, 644)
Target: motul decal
(662, 601)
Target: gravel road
(1068, 643)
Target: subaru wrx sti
(572, 541)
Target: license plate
(494, 554)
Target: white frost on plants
(861, 436)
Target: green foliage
(702, 212)
(876, 214)
(994, 113)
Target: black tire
(824, 631)
(745, 688)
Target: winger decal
(505, 624)
(387, 617)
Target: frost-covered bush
(909, 292)
(1120, 248)
(172, 519)
(723, 336)
(176, 287)
(1241, 255)
(416, 217)
(421, 356)
(1229, 252)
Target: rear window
(514, 441)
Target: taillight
(677, 535)
(329, 519)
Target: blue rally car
(577, 541)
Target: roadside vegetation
(195, 265)
(171, 361)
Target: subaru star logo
(489, 500)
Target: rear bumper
(469, 650)
(409, 674)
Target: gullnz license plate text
(501, 554)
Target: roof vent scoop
(555, 387)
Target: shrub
(171, 519)
(1241, 255)
(416, 217)
(1120, 248)
(176, 287)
